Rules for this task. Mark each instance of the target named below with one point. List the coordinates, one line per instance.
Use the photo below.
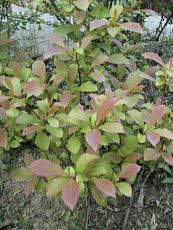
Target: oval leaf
(39, 69)
(129, 170)
(106, 187)
(34, 88)
(45, 168)
(134, 27)
(93, 138)
(112, 127)
(105, 109)
(153, 138)
(70, 193)
(150, 154)
(55, 186)
(154, 57)
(124, 188)
(84, 161)
(3, 138)
(156, 114)
(167, 158)
(29, 130)
(98, 23)
(88, 87)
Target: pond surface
(35, 38)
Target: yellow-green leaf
(84, 160)
(124, 188)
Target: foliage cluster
(89, 119)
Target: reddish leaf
(101, 59)
(98, 23)
(168, 158)
(56, 39)
(132, 26)
(106, 187)
(3, 98)
(157, 113)
(53, 50)
(154, 57)
(98, 76)
(45, 168)
(3, 138)
(79, 16)
(3, 114)
(65, 99)
(93, 138)
(105, 109)
(28, 159)
(70, 193)
(151, 70)
(16, 67)
(150, 154)
(86, 41)
(29, 130)
(129, 170)
(29, 186)
(39, 68)
(133, 157)
(34, 88)
(153, 138)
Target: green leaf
(16, 86)
(88, 87)
(25, 73)
(167, 180)
(130, 144)
(98, 169)
(21, 174)
(55, 186)
(98, 196)
(118, 59)
(137, 117)
(73, 144)
(82, 4)
(113, 31)
(64, 29)
(115, 11)
(112, 127)
(53, 122)
(165, 133)
(57, 132)
(43, 105)
(124, 188)
(25, 118)
(42, 141)
(84, 160)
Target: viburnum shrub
(89, 117)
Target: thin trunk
(164, 26)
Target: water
(35, 40)
(152, 23)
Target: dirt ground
(39, 213)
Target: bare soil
(39, 213)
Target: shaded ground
(39, 213)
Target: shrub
(89, 118)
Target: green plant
(89, 119)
